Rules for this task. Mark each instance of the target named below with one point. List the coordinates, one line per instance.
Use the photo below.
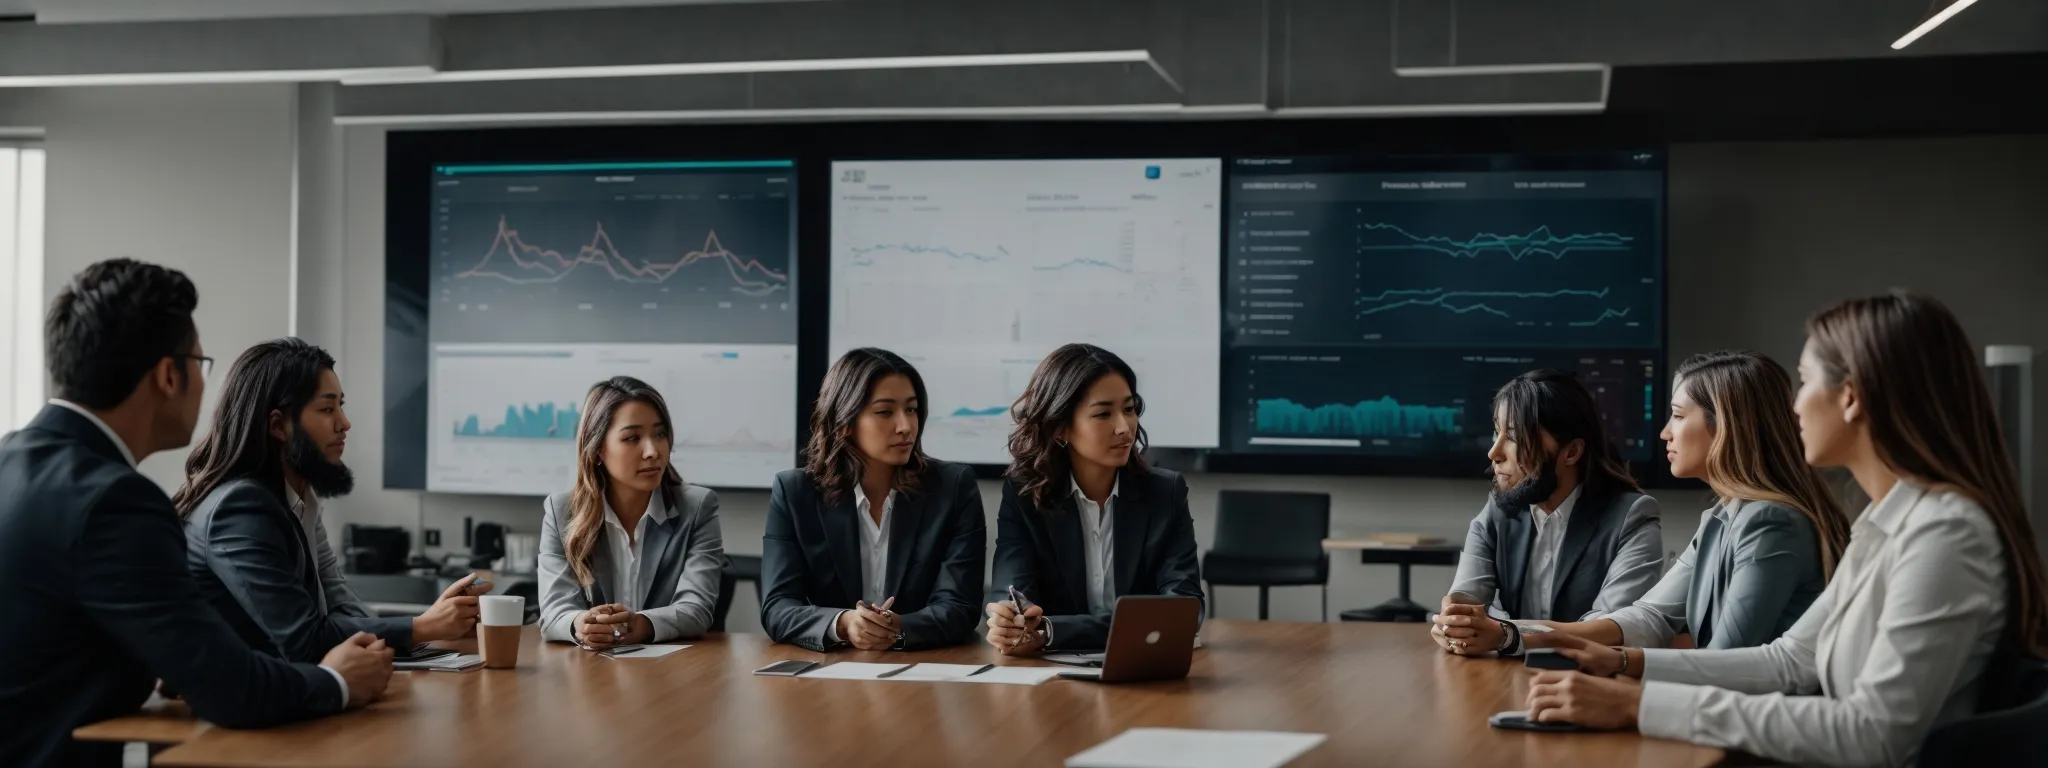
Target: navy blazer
(90, 549)
(1039, 551)
(811, 559)
(252, 561)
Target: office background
(1794, 180)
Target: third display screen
(1373, 307)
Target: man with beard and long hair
(253, 536)
(1567, 535)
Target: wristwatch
(1510, 638)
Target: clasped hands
(609, 625)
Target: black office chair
(737, 568)
(2015, 736)
(1265, 540)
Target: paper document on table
(453, 663)
(938, 673)
(853, 670)
(1185, 748)
(645, 652)
(1013, 676)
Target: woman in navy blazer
(872, 544)
(1084, 520)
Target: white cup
(502, 610)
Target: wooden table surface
(1382, 693)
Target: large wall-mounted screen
(975, 269)
(1374, 305)
(547, 278)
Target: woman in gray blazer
(631, 555)
(1766, 550)
(1941, 584)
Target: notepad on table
(853, 670)
(454, 663)
(1013, 676)
(1185, 748)
(645, 652)
(938, 673)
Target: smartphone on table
(1518, 720)
(788, 668)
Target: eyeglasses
(205, 364)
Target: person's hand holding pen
(870, 627)
(1013, 626)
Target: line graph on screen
(513, 260)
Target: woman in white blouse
(1940, 575)
(631, 555)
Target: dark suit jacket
(252, 561)
(1039, 552)
(92, 562)
(811, 560)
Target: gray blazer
(1612, 552)
(255, 565)
(1748, 576)
(679, 569)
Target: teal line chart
(864, 256)
(1539, 241)
(526, 422)
(1475, 302)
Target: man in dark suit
(92, 550)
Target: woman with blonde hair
(1765, 550)
(632, 554)
(1940, 578)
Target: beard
(327, 479)
(1532, 490)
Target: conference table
(1383, 693)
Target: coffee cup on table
(497, 630)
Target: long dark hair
(832, 459)
(279, 375)
(1558, 403)
(1931, 419)
(586, 501)
(1756, 452)
(1037, 463)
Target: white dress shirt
(1896, 645)
(130, 456)
(625, 552)
(1098, 547)
(874, 561)
(1543, 552)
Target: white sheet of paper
(1184, 748)
(937, 673)
(851, 670)
(455, 663)
(1013, 676)
(647, 652)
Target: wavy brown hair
(832, 458)
(586, 502)
(1756, 454)
(277, 375)
(1931, 419)
(1038, 463)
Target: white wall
(198, 178)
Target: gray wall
(198, 178)
(1761, 235)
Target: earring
(1060, 443)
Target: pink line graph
(602, 253)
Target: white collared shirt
(1098, 547)
(874, 568)
(625, 552)
(1543, 552)
(80, 410)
